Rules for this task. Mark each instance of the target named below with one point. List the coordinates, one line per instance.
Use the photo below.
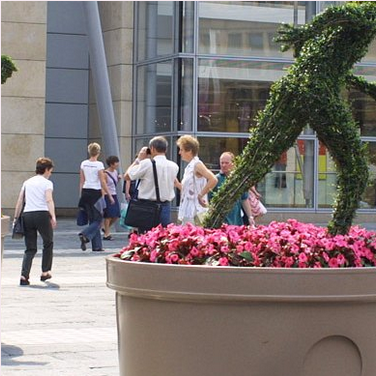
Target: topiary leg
(341, 137)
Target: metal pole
(101, 81)
(98, 65)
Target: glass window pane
(154, 29)
(184, 94)
(322, 5)
(230, 93)
(154, 98)
(369, 196)
(371, 55)
(211, 149)
(291, 182)
(187, 26)
(327, 179)
(364, 111)
(244, 28)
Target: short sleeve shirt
(91, 171)
(35, 193)
(166, 172)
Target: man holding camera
(142, 169)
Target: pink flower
(280, 244)
(223, 261)
(303, 258)
(194, 252)
(333, 262)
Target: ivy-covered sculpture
(326, 50)
(7, 68)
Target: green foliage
(326, 50)
(7, 68)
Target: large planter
(227, 321)
(5, 221)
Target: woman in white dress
(197, 182)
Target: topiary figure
(7, 68)
(326, 50)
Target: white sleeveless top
(191, 187)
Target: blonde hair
(94, 149)
(188, 143)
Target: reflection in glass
(371, 55)
(364, 112)
(230, 93)
(154, 29)
(154, 98)
(187, 9)
(291, 182)
(184, 94)
(327, 179)
(245, 28)
(369, 196)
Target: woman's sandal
(44, 277)
(24, 281)
(109, 237)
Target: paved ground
(63, 327)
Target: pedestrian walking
(92, 182)
(37, 202)
(111, 211)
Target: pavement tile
(66, 326)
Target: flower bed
(288, 244)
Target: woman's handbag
(18, 230)
(145, 214)
(257, 207)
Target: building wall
(49, 106)
(67, 97)
(23, 37)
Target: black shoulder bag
(18, 230)
(145, 214)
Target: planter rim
(245, 269)
(241, 284)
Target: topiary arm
(295, 37)
(291, 37)
(361, 84)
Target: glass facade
(205, 68)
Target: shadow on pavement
(9, 352)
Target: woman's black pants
(34, 222)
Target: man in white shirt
(142, 169)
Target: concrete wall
(23, 37)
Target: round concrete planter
(204, 321)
